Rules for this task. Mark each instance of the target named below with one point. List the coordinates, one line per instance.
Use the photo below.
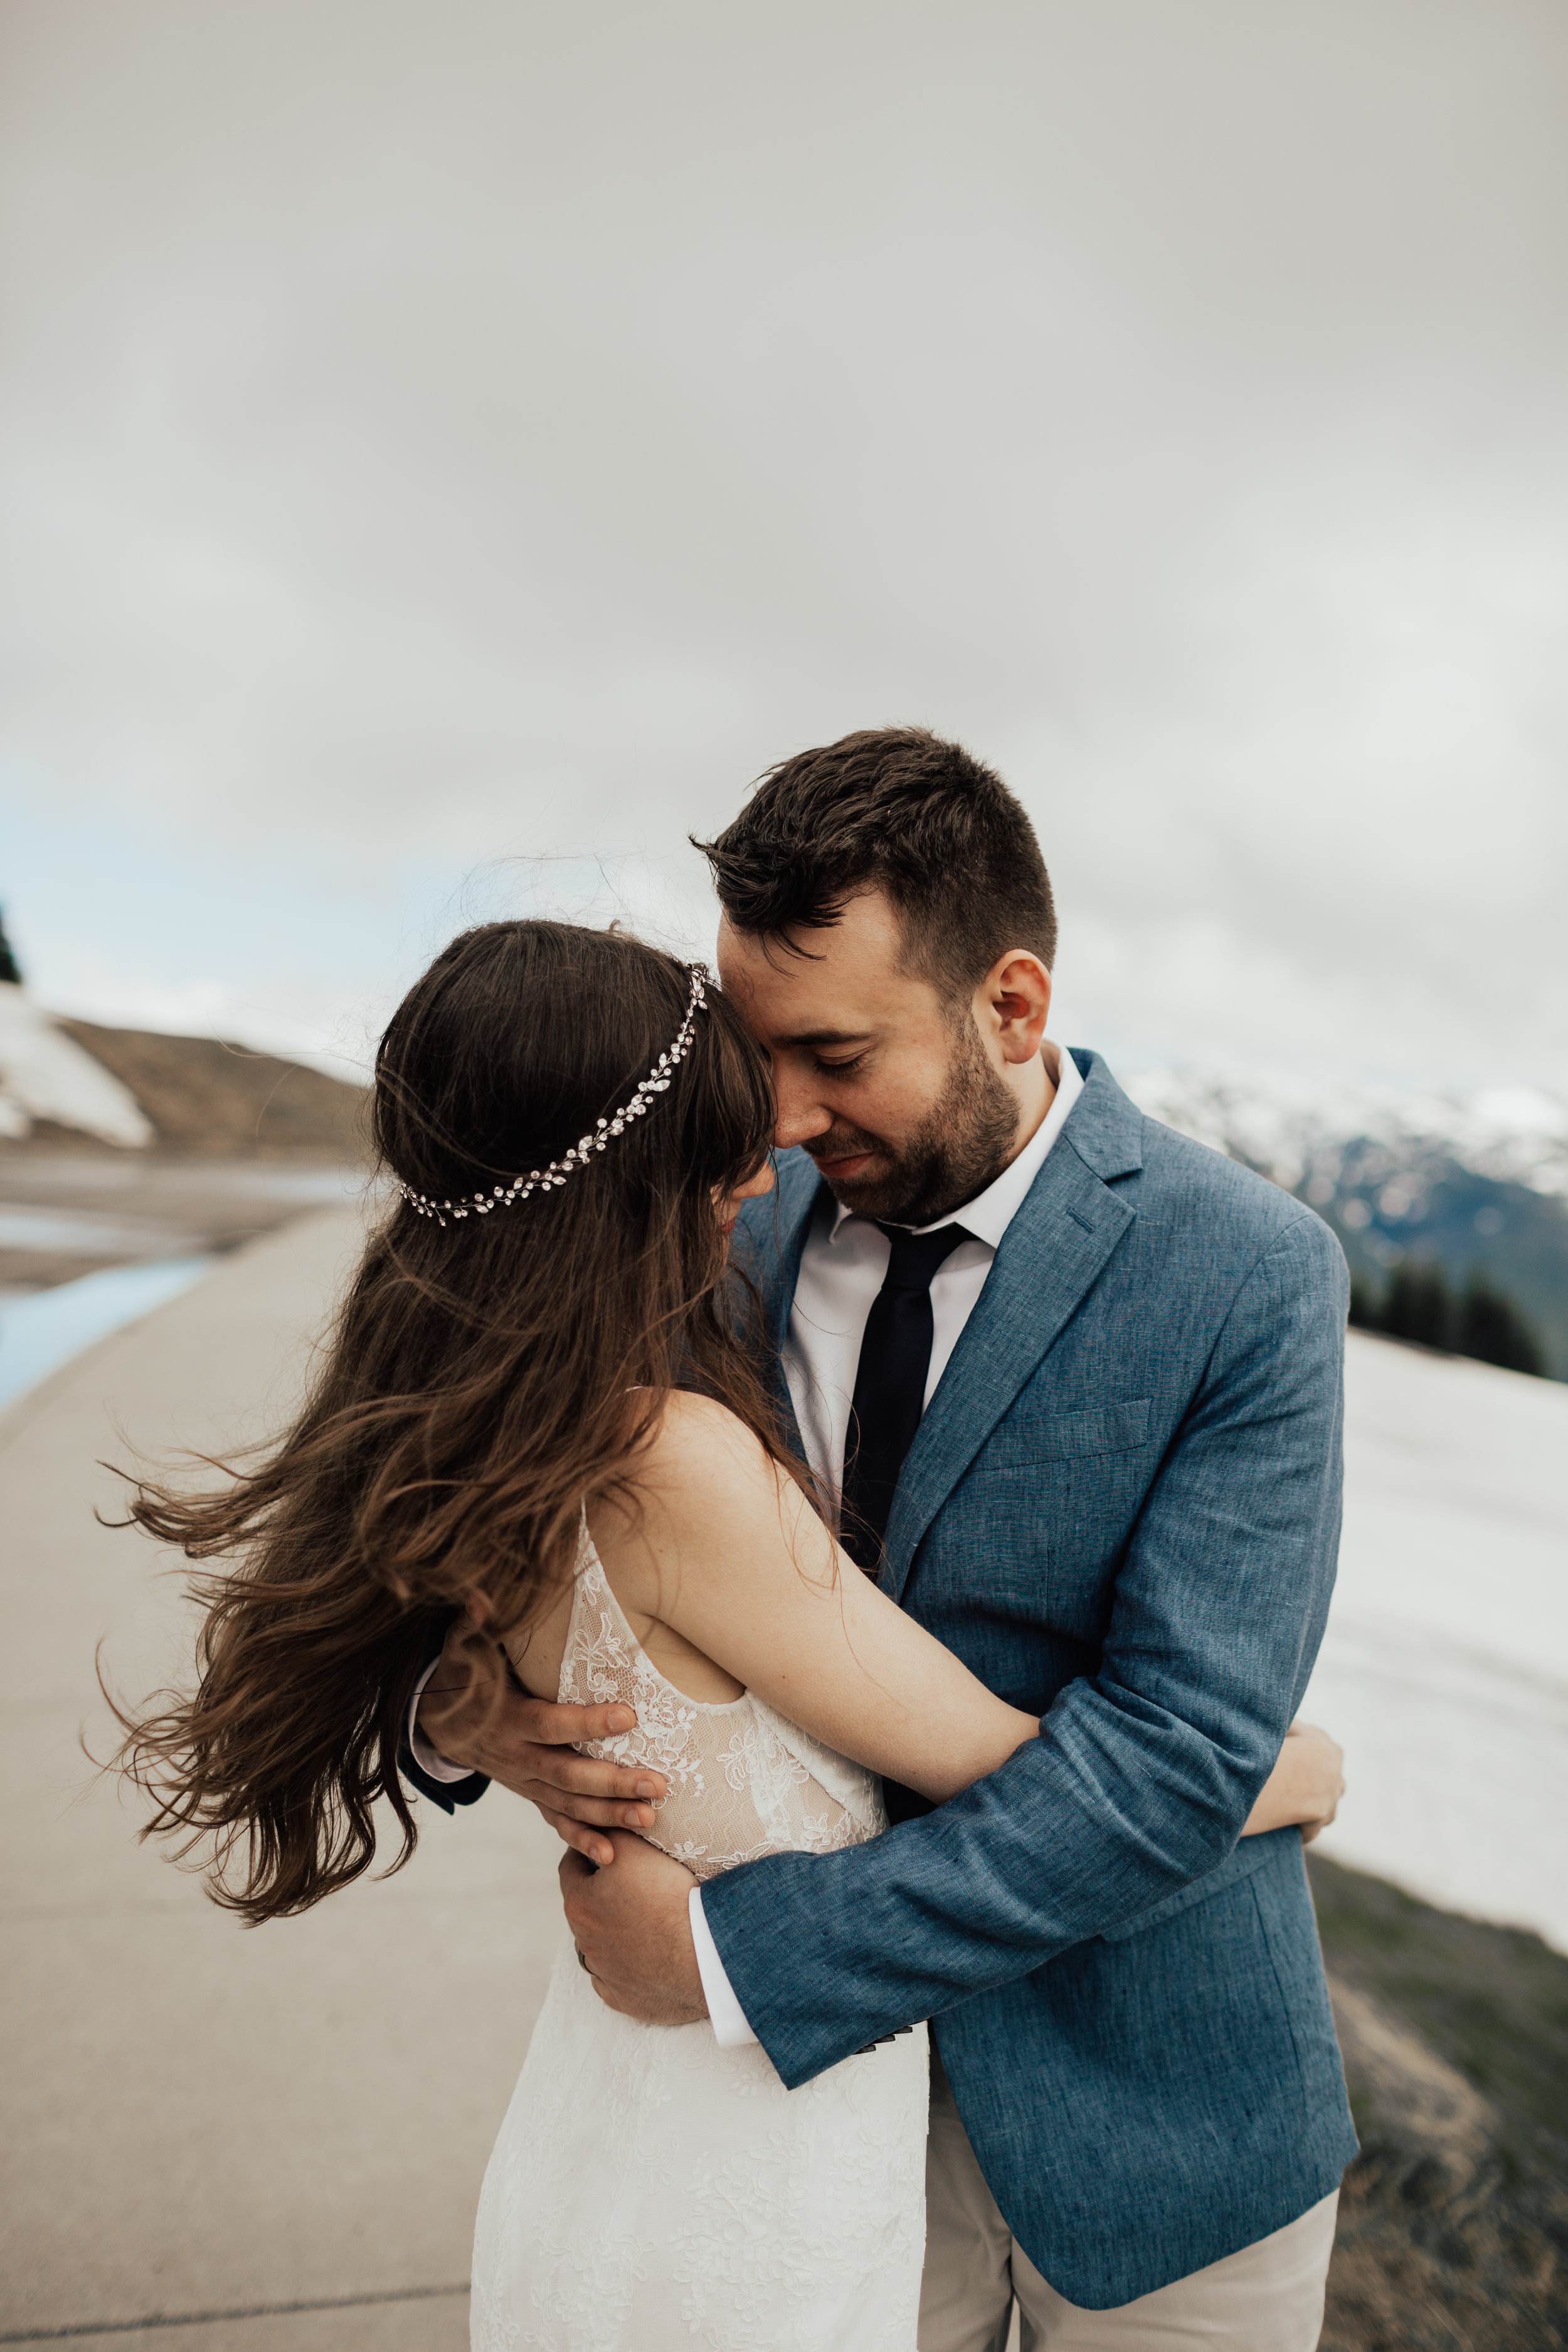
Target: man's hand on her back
(474, 1711)
(631, 1928)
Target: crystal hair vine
(544, 1179)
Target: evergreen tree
(1364, 1316)
(1492, 1329)
(1419, 1305)
(9, 968)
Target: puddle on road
(24, 1228)
(41, 1329)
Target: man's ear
(1014, 1000)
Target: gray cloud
(448, 436)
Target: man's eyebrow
(828, 1037)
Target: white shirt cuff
(439, 1766)
(731, 2030)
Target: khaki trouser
(1267, 2298)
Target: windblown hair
(899, 810)
(482, 1379)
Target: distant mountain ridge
(1475, 1182)
(65, 1081)
(1295, 1129)
(206, 1094)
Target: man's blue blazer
(1121, 1510)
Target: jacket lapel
(770, 1239)
(1051, 1255)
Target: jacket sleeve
(1144, 1774)
(448, 1794)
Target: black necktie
(890, 1385)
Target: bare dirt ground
(205, 1095)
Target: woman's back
(708, 1597)
(742, 1780)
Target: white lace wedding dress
(650, 2190)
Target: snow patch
(1444, 1672)
(43, 1074)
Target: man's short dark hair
(898, 810)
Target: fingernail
(646, 1788)
(621, 1719)
(633, 1818)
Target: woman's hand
(1305, 1786)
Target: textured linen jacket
(1121, 1510)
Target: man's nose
(798, 1116)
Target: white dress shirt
(430, 1759)
(842, 1268)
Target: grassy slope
(1454, 2220)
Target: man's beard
(960, 1149)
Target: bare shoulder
(705, 1494)
(698, 1444)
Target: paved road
(201, 2120)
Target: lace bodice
(742, 1780)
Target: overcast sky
(450, 450)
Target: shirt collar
(990, 1213)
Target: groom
(1077, 1382)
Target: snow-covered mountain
(1313, 1135)
(1475, 1182)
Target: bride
(545, 1404)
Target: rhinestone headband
(541, 1180)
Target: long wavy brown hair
(483, 1377)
